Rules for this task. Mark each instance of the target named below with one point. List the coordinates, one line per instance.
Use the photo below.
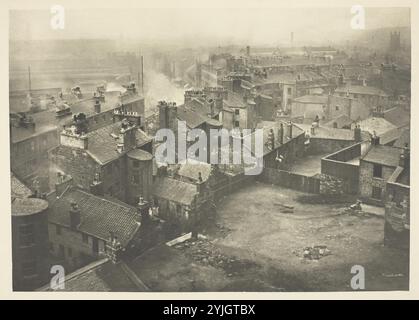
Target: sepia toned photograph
(234, 149)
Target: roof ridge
(107, 200)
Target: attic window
(337, 108)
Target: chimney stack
(357, 133)
(405, 157)
(375, 140)
(96, 188)
(75, 217)
(290, 130)
(97, 105)
(143, 209)
(281, 133)
(271, 139)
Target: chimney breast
(75, 217)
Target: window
(377, 171)
(136, 163)
(85, 238)
(237, 111)
(135, 179)
(58, 230)
(69, 252)
(236, 124)
(289, 90)
(376, 193)
(29, 268)
(337, 108)
(26, 235)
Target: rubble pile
(316, 252)
(204, 252)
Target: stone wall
(332, 185)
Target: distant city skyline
(206, 26)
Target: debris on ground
(204, 252)
(283, 208)
(315, 252)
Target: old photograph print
(210, 149)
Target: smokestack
(75, 217)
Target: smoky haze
(213, 26)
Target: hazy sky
(256, 26)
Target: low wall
(290, 180)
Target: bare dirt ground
(253, 225)
(257, 244)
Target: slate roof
(174, 190)
(234, 100)
(385, 155)
(100, 276)
(342, 121)
(47, 121)
(191, 170)
(316, 99)
(323, 132)
(142, 138)
(194, 118)
(379, 125)
(361, 90)
(140, 155)
(99, 216)
(403, 139)
(101, 145)
(18, 188)
(267, 126)
(397, 116)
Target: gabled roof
(99, 216)
(384, 155)
(175, 190)
(194, 118)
